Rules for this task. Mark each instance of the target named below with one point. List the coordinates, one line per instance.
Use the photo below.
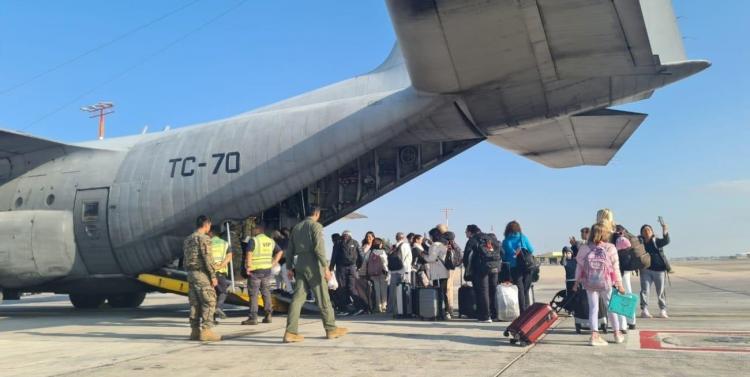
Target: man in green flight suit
(201, 277)
(310, 270)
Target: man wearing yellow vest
(262, 253)
(221, 257)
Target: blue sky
(688, 162)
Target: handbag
(623, 304)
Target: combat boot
(267, 318)
(207, 335)
(250, 321)
(195, 333)
(292, 337)
(336, 333)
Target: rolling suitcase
(430, 303)
(467, 300)
(580, 305)
(531, 325)
(404, 301)
(467, 303)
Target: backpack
(350, 253)
(374, 264)
(453, 257)
(635, 257)
(489, 253)
(598, 270)
(395, 260)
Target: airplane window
(90, 210)
(50, 199)
(19, 202)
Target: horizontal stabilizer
(590, 138)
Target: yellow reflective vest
(262, 253)
(218, 252)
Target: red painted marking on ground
(650, 340)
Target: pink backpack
(598, 270)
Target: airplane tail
(455, 46)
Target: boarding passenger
(419, 264)
(438, 272)
(375, 262)
(281, 238)
(657, 272)
(575, 244)
(454, 253)
(482, 262)
(201, 277)
(514, 242)
(623, 241)
(367, 242)
(597, 272)
(221, 257)
(346, 259)
(311, 271)
(262, 254)
(569, 263)
(399, 266)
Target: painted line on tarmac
(655, 340)
(714, 287)
(527, 350)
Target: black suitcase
(467, 303)
(580, 305)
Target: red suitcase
(532, 324)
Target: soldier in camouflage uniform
(202, 280)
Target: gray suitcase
(430, 305)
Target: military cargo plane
(537, 77)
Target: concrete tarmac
(708, 334)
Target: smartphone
(661, 221)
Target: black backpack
(395, 260)
(489, 252)
(350, 253)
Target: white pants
(381, 292)
(593, 297)
(625, 321)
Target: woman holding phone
(655, 274)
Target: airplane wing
(591, 138)
(16, 143)
(456, 45)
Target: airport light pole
(103, 109)
(446, 211)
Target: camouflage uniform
(200, 271)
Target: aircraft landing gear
(126, 300)
(86, 301)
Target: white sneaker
(486, 321)
(619, 339)
(646, 314)
(448, 316)
(598, 342)
(663, 314)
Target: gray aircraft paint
(464, 71)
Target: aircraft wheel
(126, 300)
(86, 301)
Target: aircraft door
(92, 231)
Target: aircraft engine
(35, 247)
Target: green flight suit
(307, 244)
